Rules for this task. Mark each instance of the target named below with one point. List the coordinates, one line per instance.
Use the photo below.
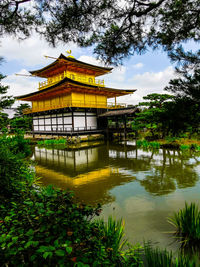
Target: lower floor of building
(66, 120)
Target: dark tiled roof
(70, 59)
(120, 112)
(76, 83)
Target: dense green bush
(15, 175)
(48, 228)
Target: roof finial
(69, 53)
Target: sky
(148, 73)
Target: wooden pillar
(117, 124)
(125, 133)
(72, 120)
(85, 119)
(115, 101)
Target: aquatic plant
(187, 223)
(156, 257)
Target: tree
(20, 120)
(188, 84)
(154, 116)
(20, 110)
(5, 102)
(115, 29)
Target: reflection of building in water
(87, 172)
(69, 162)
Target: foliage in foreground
(187, 223)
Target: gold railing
(80, 104)
(75, 77)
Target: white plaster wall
(68, 120)
(79, 122)
(41, 128)
(53, 120)
(60, 121)
(47, 121)
(35, 128)
(79, 113)
(41, 121)
(35, 122)
(48, 128)
(92, 122)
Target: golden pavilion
(71, 98)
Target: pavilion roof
(68, 85)
(63, 63)
(120, 112)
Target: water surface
(142, 187)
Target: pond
(142, 187)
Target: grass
(187, 224)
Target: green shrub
(47, 228)
(145, 144)
(52, 142)
(184, 147)
(15, 176)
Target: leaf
(69, 250)
(60, 252)
(30, 232)
(43, 249)
(47, 254)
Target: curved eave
(77, 86)
(98, 69)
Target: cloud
(153, 81)
(145, 83)
(20, 85)
(91, 60)
(138, 204)
(138, 65)
(32, 50)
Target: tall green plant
(156, 257)
(187, 223)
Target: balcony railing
(75, 77)
(64, 104)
